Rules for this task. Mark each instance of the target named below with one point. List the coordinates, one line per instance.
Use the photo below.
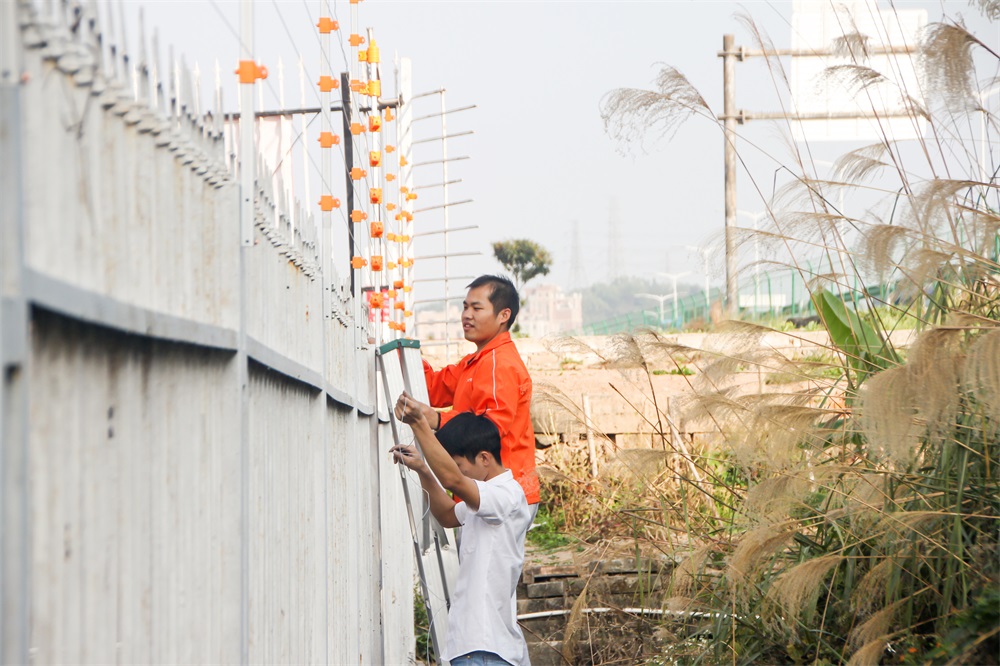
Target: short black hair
(467, 434)
(503, 296)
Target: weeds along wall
(189, 466)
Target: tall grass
(850, 511)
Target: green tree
(523, 259)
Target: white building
(545, 310)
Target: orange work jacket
(493, 382)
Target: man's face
(480, 323)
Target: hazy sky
(537, 71)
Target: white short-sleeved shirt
(483, 614)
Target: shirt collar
(501, 339)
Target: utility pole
(729, 56)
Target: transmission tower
(614, 243)
(575, 259)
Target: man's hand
(409, 411)
(409, 456)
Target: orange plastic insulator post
(407, 313)
(376, 262)
(249, 71)
(402, 161)
(390, 265)
(373, 54)
(356, 40)
(362, 55)
(411, 196)
(403, 189)
(390, 206)
(375, 300)
(328, 139)
(408, 216)
(406, 264)
(391, 293)
(390, 149)
(358, 262)
(391, 237)
(400, 305)
(375, 90)
(389, 117)
(375, 195)
(358, 215)
(356, 85)
(357, 173)
(403, 238)
(354, 2)
(399, 217)
(390, 177)
(327, 25)
(407, 290)
(401, 327)
(328, 83)
(397, 284)
(374, 123)
(376, 229)
(357, 128)
(374, 158)
(327, 203)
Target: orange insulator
(390, 206)
(391, 237)
(375, 90)
(374, 123)
(407, 290)
(363, 55)
(403, 189)
(397, 284)
(390, 265)
(327, 25)
(390, 149)
(358, 215)
(328, 139)
(356, 85)
(406, 264)
(390, 177)
(357, 173)
(388, 115)
(374, 158)
(356, 40)
(376, 262)
(403, 238)
(408, 216)
(357, 128)
(375, 301)
(249, 71)
(375, 195)
(402, 161)
(376, 229)
(407, 313)
(411, 196)
(391, 293)
(358, 262)
(328, 83)
(328, 203)
(373, 54)
(400, 305)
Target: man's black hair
(503, 296)
(467, 434)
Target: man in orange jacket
(491, 381)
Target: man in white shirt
(465, 458)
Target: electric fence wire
(347, 224)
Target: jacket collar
(501, 339)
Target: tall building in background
(546, 310)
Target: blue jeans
(479, 658)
